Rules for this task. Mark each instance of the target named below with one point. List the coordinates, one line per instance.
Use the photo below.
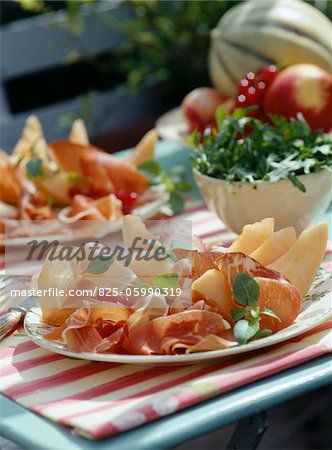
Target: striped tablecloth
(102, 399)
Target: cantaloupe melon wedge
(212, 286)
(275, 246)
(135, 234)
(132, 228)
(303, 259)
(144, 150)
(56, 274)
(78, 133)
(253, 236)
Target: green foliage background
(168, 42)
(165, 42)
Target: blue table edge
(34, 432)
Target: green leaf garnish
(167, 281)
(173, 183)
(176, 202)
(151, 170)
(271, 313)
(221, 115)
(263, 333)
(238, 313)
(75, 177)
(245, 330)
(98, 266)
(246, 290)
(254, 313)
(34, 167)
(296, 182)
(193, 139)
(239, 113)
(184, 186)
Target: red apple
(303, 88)
(199, 108)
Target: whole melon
(259, 33)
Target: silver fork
(15, 314)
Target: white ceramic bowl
(237, 205)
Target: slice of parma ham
(93, 330)
(174, 333)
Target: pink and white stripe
(98, 399)
(103, 399)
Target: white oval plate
(145, 211)
(172, 126)
(316, 308)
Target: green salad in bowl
(247, 169)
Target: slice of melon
(139, 239)
(144, 150)
(212, 286)
(134, 232)
(275, 246)
(55, 276)
(78, 133)
(303, 259)
(253, 236)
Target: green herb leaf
(221, 115)
(245, 330)
(176, 203)
(34, 167)
(166, 281)
(297, 183)
(98, 265)
(263, 333)
(271, 313)
(238, 313)
(193, 139)
(254, 313)
(32, 149)
(173, 182)
(246, 290)
(151, 170)
(75, 177)
(239, 113)
(184, 186)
